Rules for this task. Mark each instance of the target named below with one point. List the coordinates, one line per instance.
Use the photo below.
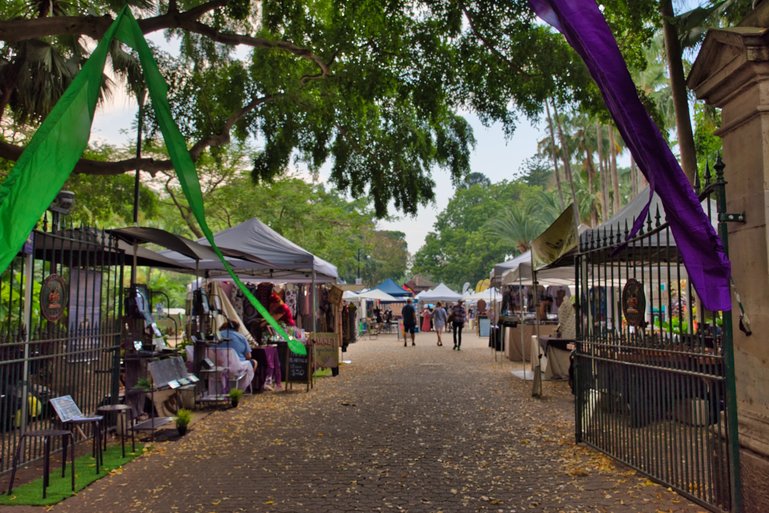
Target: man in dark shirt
(409, 322)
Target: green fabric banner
(60, 141)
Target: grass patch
(323, 372)
(59, 488)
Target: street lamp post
(358, 280)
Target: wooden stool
(46, 435)
(122, 412)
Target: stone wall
(732, 72)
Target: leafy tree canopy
(371, 87)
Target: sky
(493, 155)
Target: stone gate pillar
(732, 72)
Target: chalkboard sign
(299, 368)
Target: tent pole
(537, 382)
(523, 347)
(314, 304)
(140, 98)
(29, 271)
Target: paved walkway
(416, 429)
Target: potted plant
(183, 418)
(143, 385)
(235, 394)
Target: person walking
(426, 319)
(439, 320)
(458, 322)
(409, 322)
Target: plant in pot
(235, 395)
(183, 418)
(143, 385)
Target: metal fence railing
(653, 387)
(60, 315)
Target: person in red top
(280, 310)
(426, 320)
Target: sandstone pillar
(732, 72)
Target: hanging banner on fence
(83, 341)
(53, 298)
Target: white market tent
(488, 295)
(440, 293)
(499, 269)
(523, 275)
(379, 295)
(349, 295)
(625, 218)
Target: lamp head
(64, 203)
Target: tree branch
(489, 45)
(256, 42)
(183, 210)
(224, 136)
(13, 31)
(12, 152)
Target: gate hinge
(732, 218)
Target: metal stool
(96, 444)
(122, 412)
(46, 435)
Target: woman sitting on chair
(228, 331)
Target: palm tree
(678, 90)
(34, 73)
(603, 167)
(517, 225)
(613, 151)
(566, 157)
(552, 150)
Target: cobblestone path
(414, 429)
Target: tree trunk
(565, 157)
(640, 179)
(590, 170)
(633, 177)
(614, 173)
(678, 91)
(554, 156)
(605, 207)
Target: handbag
(450, 318)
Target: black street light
(358, 280)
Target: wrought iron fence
(60, 313)
(652, 366)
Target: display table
(268, 366)
(517, 344)
(558, 352)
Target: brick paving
(415, 429)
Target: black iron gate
(652, 367)
(60, 315)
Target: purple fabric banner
(584, 27)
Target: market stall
(483, 302)
(519, 318)
(440, 293)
